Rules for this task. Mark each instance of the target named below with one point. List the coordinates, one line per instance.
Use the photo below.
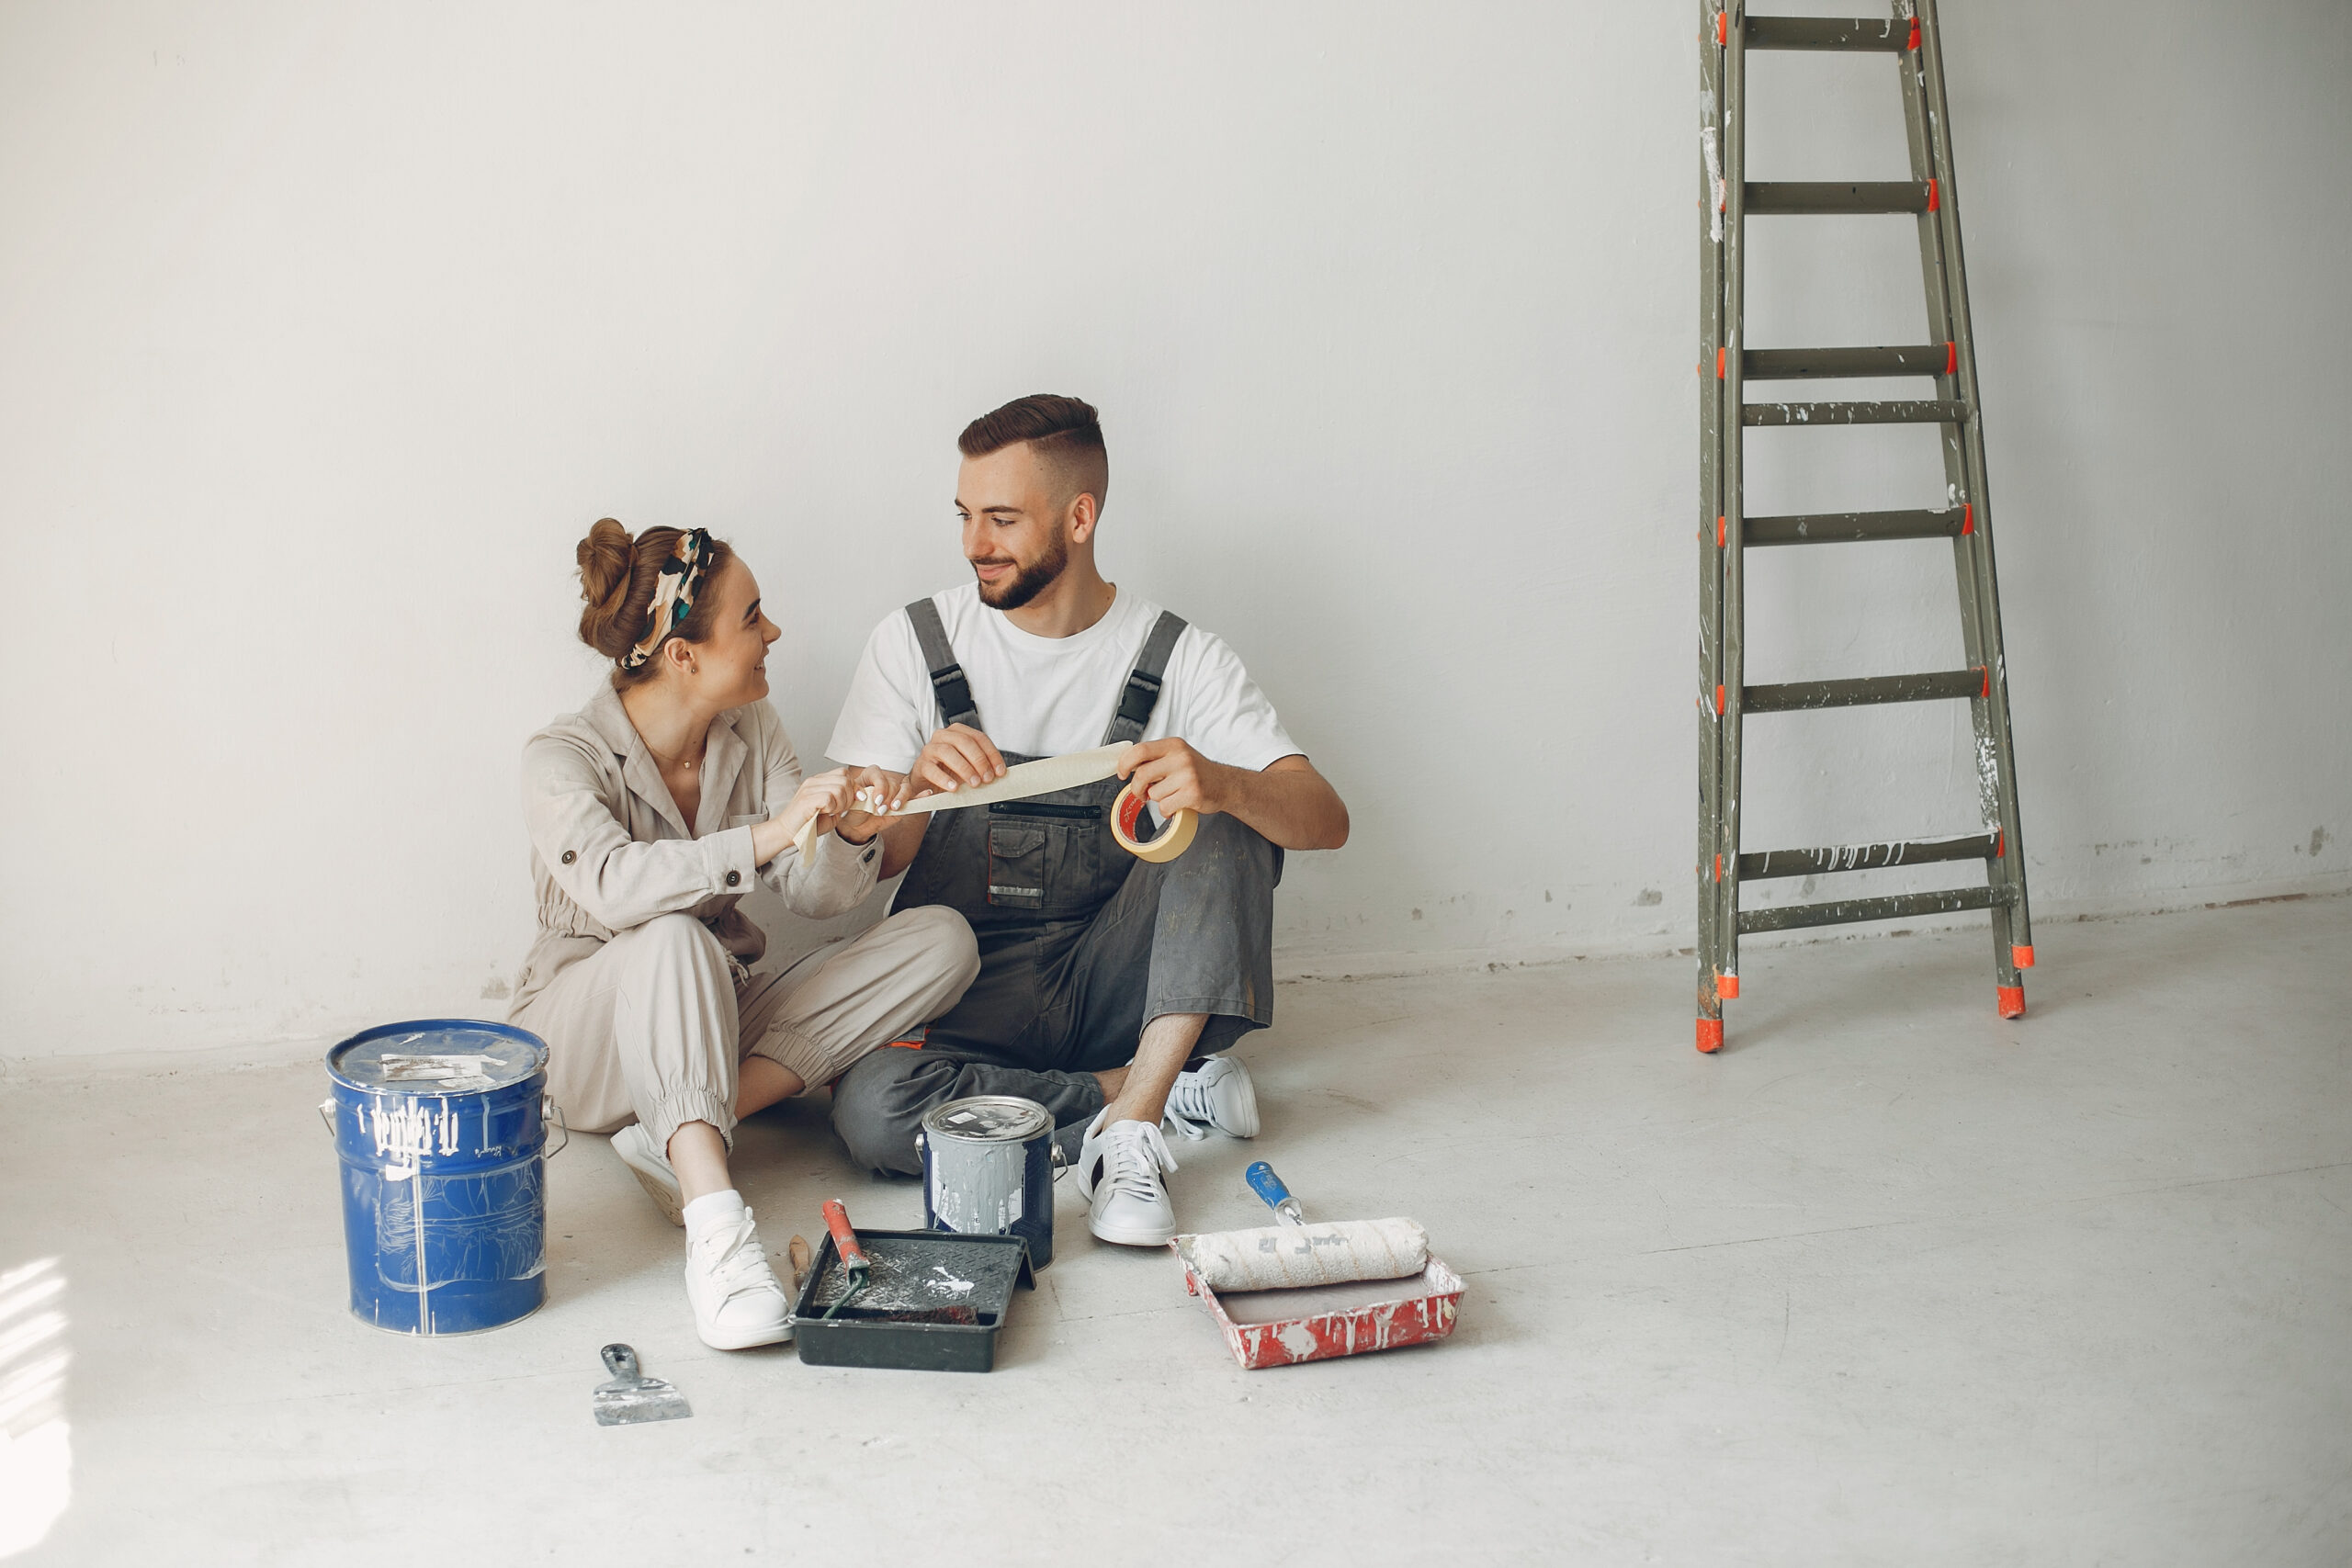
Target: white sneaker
(1119, 1168)
(738, 1302)
(652, 1168)
(1214, 1097)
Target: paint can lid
(989, 1119)
(438, 1055)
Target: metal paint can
(988, 1169)
(440, 1131)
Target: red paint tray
(1275, 1329)
(1315, 1323)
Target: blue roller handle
(1267, 1185)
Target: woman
(651, 813)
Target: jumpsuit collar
(722, 758)
(723, 754)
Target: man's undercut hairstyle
(1065, 432)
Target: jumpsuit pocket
(1017, 877)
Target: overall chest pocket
(1017, 878)
(1045, 862)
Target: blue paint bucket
(440, 1128)
(988, 1169)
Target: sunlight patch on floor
(36, 1453)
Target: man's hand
(1287, 800)
(1177, 778)
(957, 757)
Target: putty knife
(632, 1397)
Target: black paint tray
(933, 1303)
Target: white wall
(324, 331)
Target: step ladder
(1727, 364)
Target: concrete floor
(1890, 1281)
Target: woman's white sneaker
(1214, 1097)
(1119, 1169)
(652, 1168)
(738, 1302)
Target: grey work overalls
(1081, 943)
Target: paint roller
(1294, 1253)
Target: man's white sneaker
(652, 1168)
(1119, 1168)
(738, 1302)
(1214, 1097)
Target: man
(1107, 984)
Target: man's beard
(1030, 580)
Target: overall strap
(948, 681)
(1142, 694)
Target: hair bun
(607, 559)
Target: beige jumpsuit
(641, 980)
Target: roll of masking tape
(1173, 840)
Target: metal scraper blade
(632, 1397)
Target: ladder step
(1847, 910)
(1923, 411)
(1876, 34)
(1840, 527)
(1794, 695)
(1835, 196)
(1864, 857)
(1809, 364)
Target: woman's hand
(823, 798)
(869, 787)
(831, 800)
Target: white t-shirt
(1042, 696)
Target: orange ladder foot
(2011, 1000)
(1711, 1035)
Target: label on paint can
(449, 1071)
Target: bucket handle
(326, 1115)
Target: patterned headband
(674, 594)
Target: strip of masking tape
(1041, 777)
(1047, 774)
